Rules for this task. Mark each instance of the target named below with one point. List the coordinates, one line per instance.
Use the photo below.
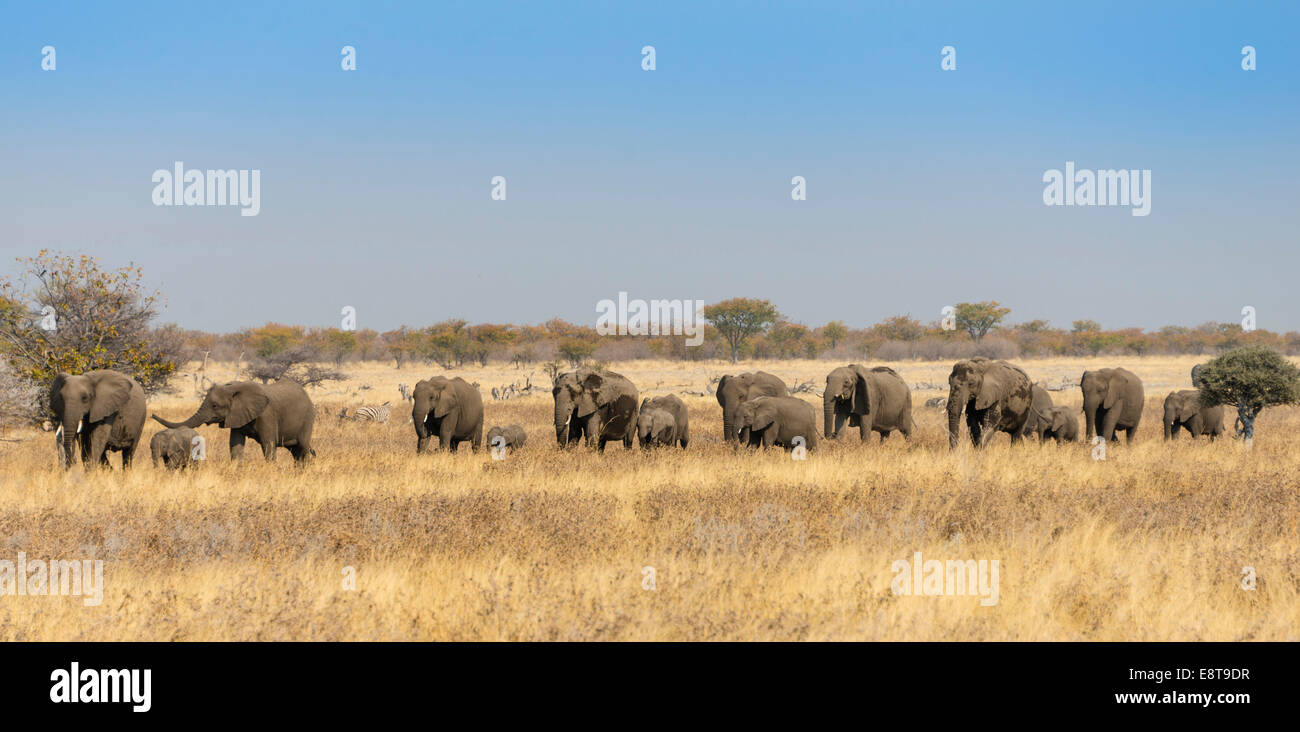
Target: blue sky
(924, 186)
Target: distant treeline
(454, 343)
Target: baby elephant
(174, 447)
(663, 421)
(513, 435)
(769, 421)
(1060, 424)
(1183, 410)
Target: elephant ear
(446, 402)
(722, 388)
(866, 394)
(590, 397)
(764, 416)
(56, 392)
(246, 403)
(1189, 408)
(1058, 420)
(993, 388)
(112, 390)
(1114, 385)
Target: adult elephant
(1112, 400)
(875, 399)
(1183, 410)
(779, 421)
(272, 415)
(449, 409)
(1041, 405)
(996, 396)
(734, 391)
(102, 411)
(599, 406)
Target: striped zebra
(372, 414)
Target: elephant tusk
(79, 423)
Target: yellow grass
(549, 545)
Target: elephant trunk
(956, 401)
(563, 413)
(729, 423)
(199, 418)
(828, 408)
(418, 416)
(70, 431)
(1090, 418)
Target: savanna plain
(710, 543)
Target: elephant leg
(445, 441)
(769, 436)
(864, 428)
(974, 426)
(838, 424)
(1109, 423)
(476, 442)
(593, 429)
(268, 447)
(128, 452)
(97, 449)
(989, 428)
(1131, 432)
(236, 446)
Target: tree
(978, 318)
(1085, 326)
(576, 350)
(274, 338)
(1250, 378)
(834, 332)
(82, 317)
(900, 328)
(739, 319)
(339, 344)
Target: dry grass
(1148, 545)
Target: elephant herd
(104, 411)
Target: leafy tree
(978, 318)
(67, 313)
(1085, 326)
(339, 344)
(834, 332)
(900, 328)
(739, 319)
(274, 338)
(576, 350)
(1250, 378)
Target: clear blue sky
(924, 186)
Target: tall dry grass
(550, 545)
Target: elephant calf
(663, 421)
(1183, 410)
(782, 421)
(1058, 423)
(512, 436)
(1039, 420)
(174, 447)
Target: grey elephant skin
(1060, 424)
(272, 415)
(1183, 411)
(1112, 402)
(449, 409)
(875, 399)
(777, 421)
(598, 406)
(734, 391)
(663, 421)
(996, 397)
(1040, 405)
(173, 448)
(101, 411)
(512, 436)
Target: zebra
(371, 414)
